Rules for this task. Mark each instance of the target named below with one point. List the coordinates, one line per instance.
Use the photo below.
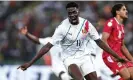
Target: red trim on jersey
(87, 26)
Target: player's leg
(74, 71)
(124, 73)
(91, 76)
(130, 69)
(117, 67)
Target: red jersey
(116, 37)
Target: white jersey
(74, 38)
(55, 50)
(57, 64)
(91, 47)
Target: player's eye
(75, 12)
(69, 13)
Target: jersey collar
(116, 20)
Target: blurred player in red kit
(113, 35)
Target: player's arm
(25, 32)
(57, 37)
(43, 51)
(33, 38)
(95, 36)
(108, 27)
(126, 52)
(106, 48)
(105, 37)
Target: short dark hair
(116, 7)
(72, 4)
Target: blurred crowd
(42, 18)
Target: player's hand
(24, 30)
(24, 66)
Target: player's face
(73, 13)
(123, 12)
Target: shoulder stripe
(87, 26)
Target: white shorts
(58, 66)
(85, 63)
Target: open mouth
(74, 20)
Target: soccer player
(113, 35)
(73, 34)
(57, 65)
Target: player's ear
(78, 11)
(117, 12)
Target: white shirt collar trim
(116, 20)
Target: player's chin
(125, 17)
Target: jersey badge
(109, 24)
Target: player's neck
(119, 19)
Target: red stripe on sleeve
(87, 26)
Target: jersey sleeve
(44, 41)
(93, 32)
(108, 26)
(58, 35)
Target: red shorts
(115, 66)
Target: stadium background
(42, 17)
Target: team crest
(84, 31)
(109, 24)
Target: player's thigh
(117, 67)
(130, 69)
(91, 76)
(72, 66)
(124, 73)
(74, 71)
(114, 66)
